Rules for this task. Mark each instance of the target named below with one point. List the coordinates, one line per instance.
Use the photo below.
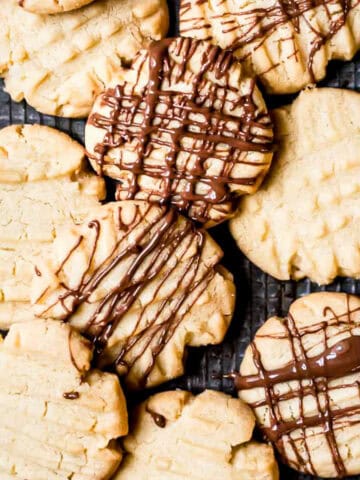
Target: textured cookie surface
(175, 435)
(59, 63)
(287, 44)
(58, 418)
(143, 283)
(305, 221)
(43, 186)
(52, 6)
(185, 126)
(301, 375)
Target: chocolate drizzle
(71, 395)
(313, 375)
(162, 246)
(37, 271)
(191, 126)
(262, 22)
(159, 420)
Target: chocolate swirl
(253, 26)
(157, 246)
(177, 137)
(314, 376)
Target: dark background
(259, 296)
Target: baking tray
(259, 296)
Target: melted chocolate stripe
(336, 361)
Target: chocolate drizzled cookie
(185, 127)
(287, 43)
(301, 376)
(142, 283)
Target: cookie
(301, 375)
(58, 418)
(43, 186)
(185, 126)
(59, 63)
(52, 6)
(286, 44)
(305, 221)
(142, 283)
(176, 435)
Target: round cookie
(58, 418)
(205, 437)
(52, 6)
(185, 126)
(142, 283)
(301, 376)
(44, 185)
(305, 221)
(286, 44)
(59, 63)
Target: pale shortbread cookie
(175, 435)
(186, 127)
(43, 186)
(58, 419)
(287, 44)
(52, 6)
(301, 375)
(305, 221)
(143, 283)
(59, 63)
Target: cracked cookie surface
(305, 220)
(185, 127)
(301, 376)
(143, 283)
(287, 44)
(59, 418)
(205, 437)
(59, 63)
(43, 186)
